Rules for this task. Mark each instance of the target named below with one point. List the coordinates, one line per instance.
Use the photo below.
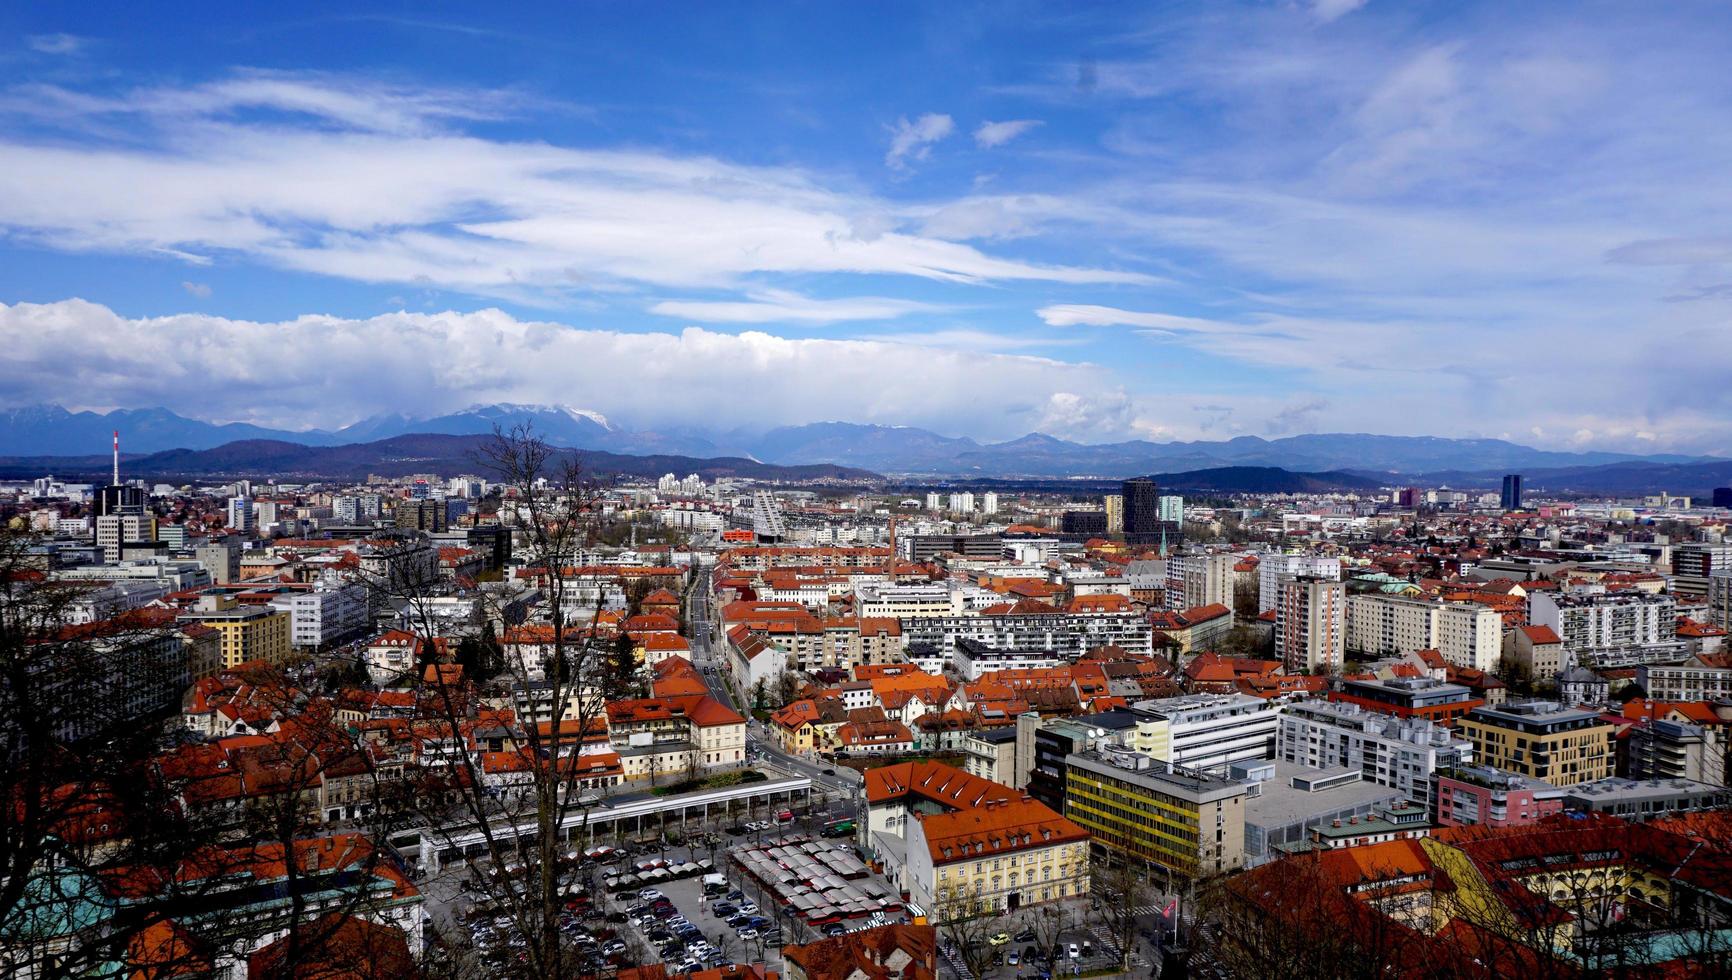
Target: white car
(748, 933)
(648, 895)
(749, 907)
(1075, 953)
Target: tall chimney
(117, 457)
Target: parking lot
(695, 921)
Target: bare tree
(965, 923)
(1122, 887)
(558, 671)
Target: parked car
(1075, 953)
(748, 907)
(999, 939)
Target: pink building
(1467, 795)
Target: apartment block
(1563, 746)
(1401, 753)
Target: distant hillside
(397, 456)
(1263, 479)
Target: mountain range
(396, 456)
(904, 450)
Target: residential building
(997, 857)
(1534, 650)
(1136, 807)
(1466, 634)
(1468, 795)
(1194, 629)
(1310, 624)
(1701, 679)
(659, 736)
(1401, 753)
(991, 754)
(1172, 508)
(1609, 628)
(1114, 506)
(1563, 746)
(245, 633)
(240, 515)
(1021, 627)
(1200, 580)
(1273, 569)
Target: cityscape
(865, 492)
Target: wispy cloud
(200, 289)
(913, 140)
(1325, 11)
(56, 43)
(991, 134)
(782, 306)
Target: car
(1074, 952)
(785, 816)
(1025, 936)
(748, 934)
(748, 907)
(1088, 948)
(617, 916)
(757, 922)
(829, 772)
(674, 922)
(649, 895)
(999, 939)
(737, 921)
(659, 936)
(615, 947)
(736, 895)
(1014, 959)
(722, 910)
(738, 830)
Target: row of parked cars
(500, 943)
(679, 942)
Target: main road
(706, 654)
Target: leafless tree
(558, 672)
(966, 923)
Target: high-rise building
(1273, 568)
(1311, 624)
(1115, 508)
(221, 559)
(989, 503)
(768, 525)
(1172, 508)
(962, 503)
(934, 501)
(1512, 492)
(241, 515)
(1142, 506)
(1200, 580)
(422, 515)
(114, 531)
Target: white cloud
(991, 134)
(325, 371)
(199, 289)
(55, 43)
(1325, 11)
(353, 197)
(913, 140)
(782, 306)
(1086, 315)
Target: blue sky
(1098, 221)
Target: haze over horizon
(1115, 223)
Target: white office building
(1206, 731)
(1400, 753)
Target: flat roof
(1279, 803)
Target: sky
(1098, 221)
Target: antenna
(117, 457)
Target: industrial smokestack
(117, 457)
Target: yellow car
(1000, 939)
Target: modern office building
(1206, 731)
(1409, 697)
(1136, 807)
(1511, 498)
(1561, 745)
